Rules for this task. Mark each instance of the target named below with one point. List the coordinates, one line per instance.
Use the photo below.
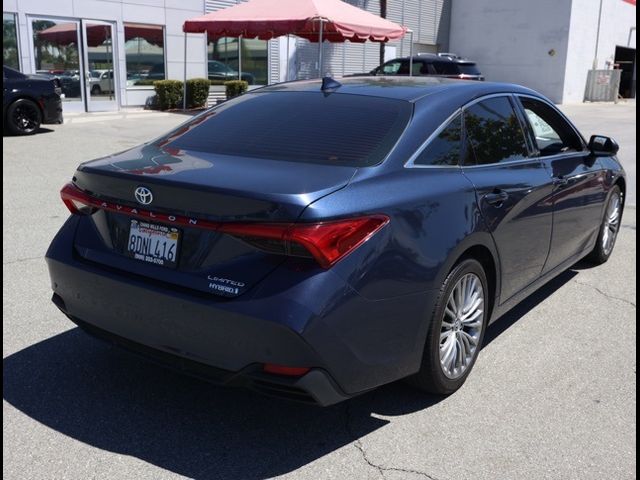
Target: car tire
(23, 117)
(434, 375)
(609, 228)
(96, 90)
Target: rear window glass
(468, 69)
(334, 129)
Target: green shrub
(169, 93)
(235, 88)
(197, 92)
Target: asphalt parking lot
(552, 396)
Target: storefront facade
(108, 53)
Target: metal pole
(320, 49)
(595, 58)
(286, 76)
(411, 53)
(184, 76)
(240, 57)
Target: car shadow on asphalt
(110, 399)
(39, 131)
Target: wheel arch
(622, 183)
(480, 247)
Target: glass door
(101, 81)
(56, 53)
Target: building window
(55, 44)
(144, 49)
(224, 60)
(10, 41)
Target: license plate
(152, 243)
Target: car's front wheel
(23, 117)
(457, 329)
(609, 228)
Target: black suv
(446, 65)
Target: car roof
(433, 57)
(406, 88)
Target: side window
(493, 132)
(444, 149)
(446, 68)
(404, 68)
(391, 68)
(552, 133)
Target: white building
(547, 45)
(108, 52)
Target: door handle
(496, 198)
(560, 180)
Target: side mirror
(601, 146)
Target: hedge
(235, 88)
(169, 93)
(197, 92)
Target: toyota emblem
(143, 195)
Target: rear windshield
(333, 129)
(468, 68)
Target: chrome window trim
(411, 162)
(522, 161)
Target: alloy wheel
(25, 117)
(611, 224)
(462, 326)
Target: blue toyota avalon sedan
(314, 240)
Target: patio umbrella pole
(240, 57)
(411, 53)
(320, 49)
(286, 76)
(184, 85)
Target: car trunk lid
(190, 191)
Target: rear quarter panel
(433, 218)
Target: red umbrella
(315, 20)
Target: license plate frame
(154, 243)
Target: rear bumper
(316, 387)
(351, 344)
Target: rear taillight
(326, 242)
(284, 370)
(78, 202)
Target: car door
(579, 191)
(513, 189)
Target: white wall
(511, 40)
(169, 13)
(617, 19)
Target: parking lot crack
(357, 443)
(604, 294)
(21, 260)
